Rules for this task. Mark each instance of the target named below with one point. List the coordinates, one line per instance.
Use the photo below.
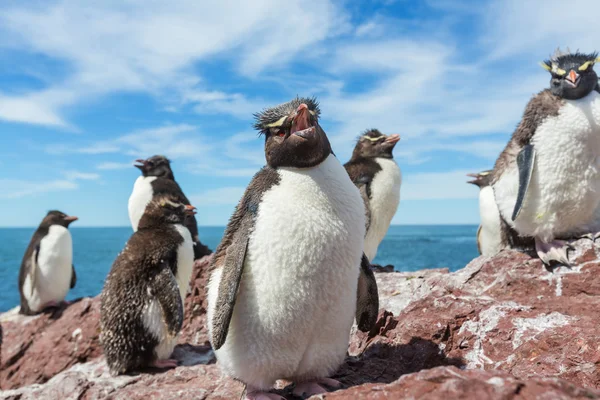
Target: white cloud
(516, 27)
(14, 189)
(113, 166)
(152, 46)
(84, 176)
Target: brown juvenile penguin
(142, 298)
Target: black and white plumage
(47, 271)
(157, 178)
(547, 180)
(142, 298)
(489, 234)
(374, 171)
(293, 244)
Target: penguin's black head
(56, 217)
(159, 166)
(372, 143)
(573, 75)
(482, 179)
(293, 136)
(165, 209)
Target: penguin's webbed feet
(319, 386)
(555, 251)
(257, 394)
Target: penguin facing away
(47, 272)
(141, 310)
(546, 181)
(157, 178)
(290, 275)
(489, 235)
(374, 171)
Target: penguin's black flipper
(478, 242)
(525, 162)
(233, 266)
(73, 276)
(365, 196)
(163, 286)
(33, 267)
(231, 252)
(367, 301)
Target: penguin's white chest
(140, 197)
(185, 261)
(297, 298)
(385, 197)
(564, 192)
(54, 269)
(489, 237)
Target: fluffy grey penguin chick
(142, 300)
(290, 275)
(157, 178)
(489, 235)
(374, 171)
(547, 180)
(47, 271)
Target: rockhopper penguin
(547, 180)
(47, 271)
(373, 170)
(489, 236)
(290, 274)
(142, 300)
(157, 178)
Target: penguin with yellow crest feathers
(547, 180)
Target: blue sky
(86, 89)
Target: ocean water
(408, 248)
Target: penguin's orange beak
(301, 124)
(573, 78)
(190, 210)
(395, 138)
(71, 218)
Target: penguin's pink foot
(555, 251)
(169, 363)
(257, 394)
(307, 389)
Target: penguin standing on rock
(47, 271)
(142, 300)
(373, 170)
(547, 180)
(489, 234)
(290, 274)
(157, 178)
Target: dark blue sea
(409, 248)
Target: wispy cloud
(107, 166)
(151, 47)
(14, 189)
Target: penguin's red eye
(281, 133)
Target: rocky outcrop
(502, 327)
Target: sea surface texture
(408, 248)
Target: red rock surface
(502, 327)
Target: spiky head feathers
(561, 62)
(275, 116)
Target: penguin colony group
(545, 186)
(292, 272)
(289, 278)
